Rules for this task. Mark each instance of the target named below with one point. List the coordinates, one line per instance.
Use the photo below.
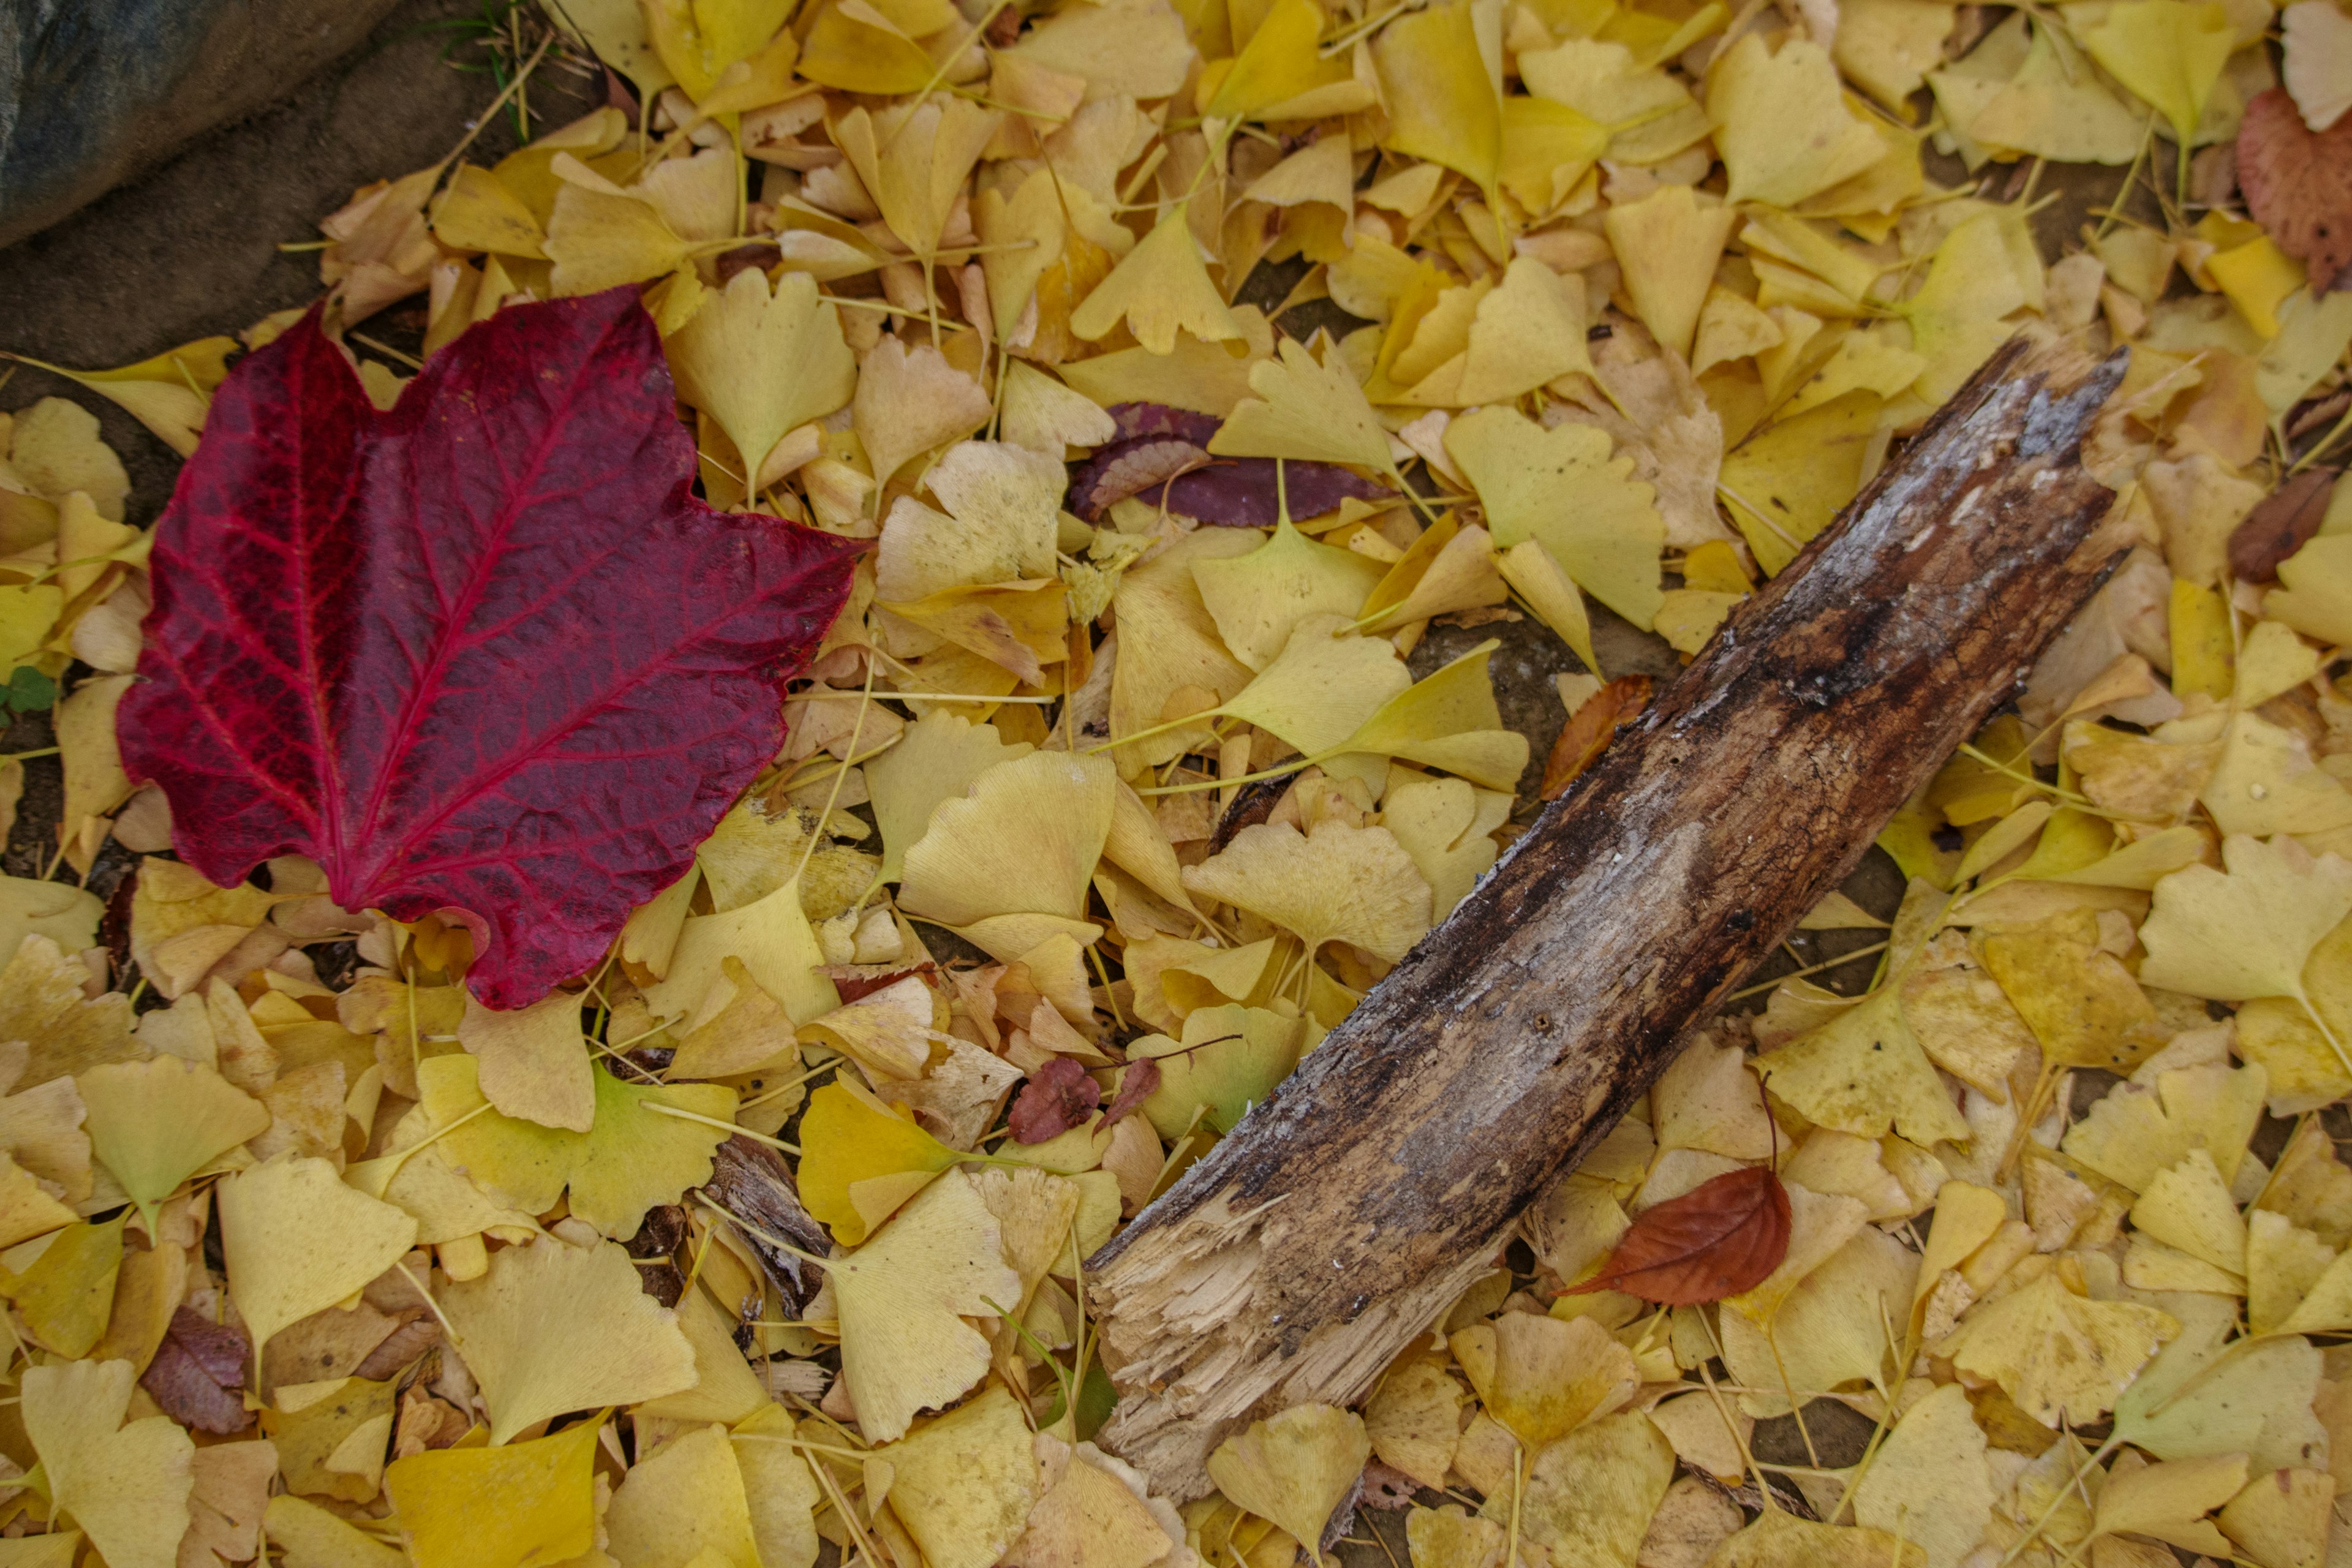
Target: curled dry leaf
(1590, 729)
(1162, 454)
(1721, 1238)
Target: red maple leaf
(483, 653)
(1719, 1238)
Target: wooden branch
(1340, 1217)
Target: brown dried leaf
(198, 1374)
(2298, 183)
(1590, 729)
(1721, 1238)
(2281, 523)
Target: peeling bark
(1295, 1260)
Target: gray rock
(93, 91)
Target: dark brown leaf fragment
(2281, 523)
(1590, 729)
(1139, 1083)
(1057, 1097)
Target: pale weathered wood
(1340, 1216)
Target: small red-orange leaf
(1719, 1238)
(1590, 729)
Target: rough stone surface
(92, 92)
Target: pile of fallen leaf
(378, 1187)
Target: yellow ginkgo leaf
(859, 48)
(1596, 1490)
(903, 1297)
(1782, 1540)
(936, 760)
(534, 1061)
(1279, 62)
(1159, 287)
(1415, 1420)
(1562, 488)
(67, 1295)
(1975, 280)
(446, 1205)
(1447, 825)
(2058, 1355)
(2283, 1518)
(1537, 576)
(1230, 1058)
(1448, 568)
(2244, 935)
(1886, 47)
(169, 394)
(600, 237)
(2169, 1501)
(1928, 1483)
(552, 1328)
(1335, 883)
(636, 1154)
(1668, 244)
(1294, 1468)
(683, 1503)
(1311, 410)
(307, 1533)
(1326, 682)
(1024, 842)
(1863, 1072)
(1443, 102)
(848, 1139)
(1786, 483)
(1048, 416)
(770, 937)
(2043, 98)
(1445, 719)
(1548, 148)
(2169, 53)
(125, 1487)
(1176, 648)
(297, 1240)
(760, 364)
(910, 401)
(521, 1503)
(2259, 1407)
(1781, 122)
(42, 1003)
(155, 1124)
(1258, 599)
(781, 1492)
(914, 157)
(698, 39)
(2283, 1262)
(477, 212)
(2135, 1132)
(2084, 1006)
(2188, 1206)
(1552, 1376)
(964, 1485)
(1004, 507)
(616, 33)
(1528, 332)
